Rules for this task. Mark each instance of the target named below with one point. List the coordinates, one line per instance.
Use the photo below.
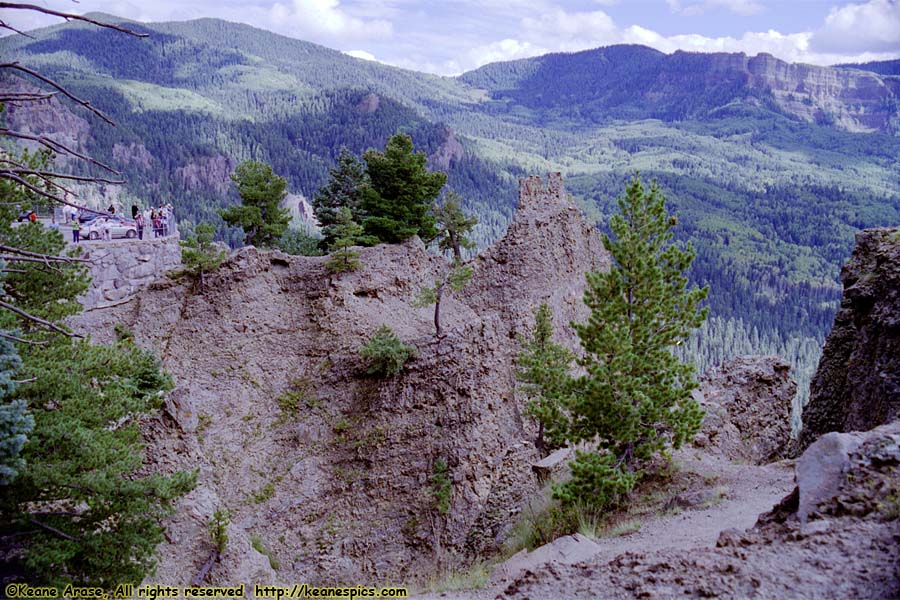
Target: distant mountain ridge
(632, 82)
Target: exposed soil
(746, 491)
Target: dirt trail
(747, 491)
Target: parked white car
(118, 228)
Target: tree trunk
(629, 457)
(437, 310)
(539, 442)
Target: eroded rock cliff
(329, 471)
(857, 384)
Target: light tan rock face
(329, 469)
(852, 100)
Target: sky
(448, 37)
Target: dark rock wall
(857, 385)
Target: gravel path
(748, 490)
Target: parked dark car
(86, 216)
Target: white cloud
(361, 54)
(744, 8)
(324, 21)
(508, 49)
(873, 26)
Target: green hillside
(771, 202)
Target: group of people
(160, 219)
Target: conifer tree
(634, 400)
(199, 254)
(347, 233)
(346, 187)
(398, 204)
(15, 421)
(455, 279)
(543, 367)
(260, 214)
(77, 504)
(385, 353)
(453, 225)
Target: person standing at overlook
(139, 221)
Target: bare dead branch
(38, 320)
(20, 382)
(25, 97)
(50, 513)
(53, 197)
(200, 577)
(71, 17)
(50, 82)
(56, 147)
(42, 175)
(20, 252)
(54, 531)
(15, 338)
(14, 30)
(56, 259)
(48, 175)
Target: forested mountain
(882, 67)
(771, 167)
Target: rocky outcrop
(857, 384)
(331, 470)
(850, 99)
(449, 151)
(50, 118)
(119, 269)
(300, 209)
(207, 173)
(136, 154)
(543, 257)
(835, 537)
(748, 409)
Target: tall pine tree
(634, 400)
(260, 214)
(346, 187)
(398, 205)
(78, 504)
(543, 369)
